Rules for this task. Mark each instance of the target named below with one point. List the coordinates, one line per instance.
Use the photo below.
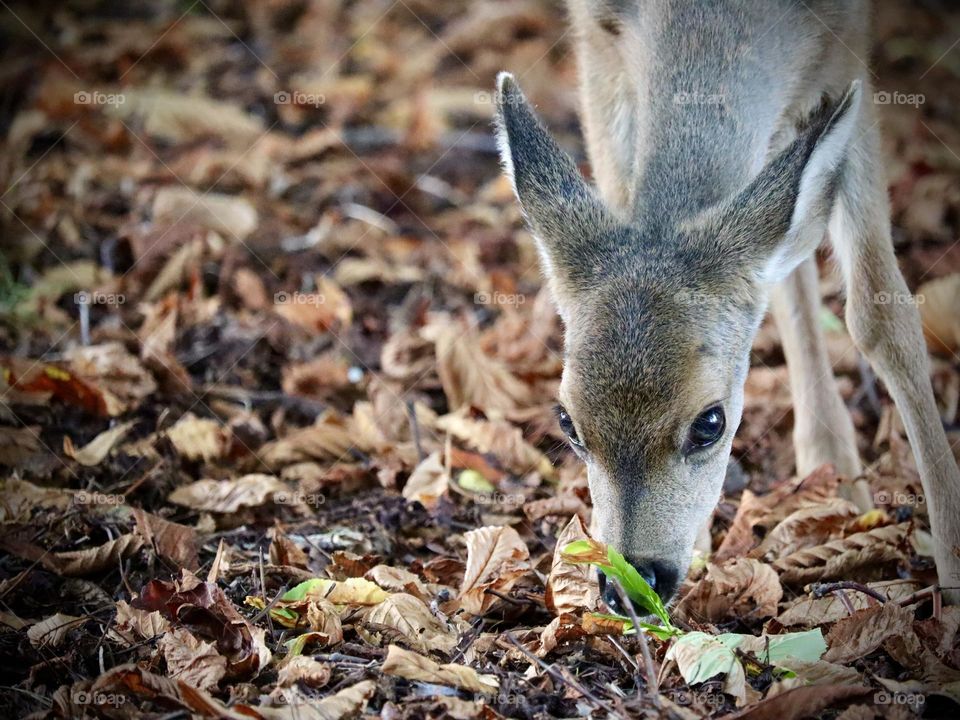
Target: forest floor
(277, 435)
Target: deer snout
(663, 577)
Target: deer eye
(706, 429)
(566, 424)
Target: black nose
(662, 577)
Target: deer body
(724, 138)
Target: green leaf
(474, 482)
(307, 587)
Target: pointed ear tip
(505, 81)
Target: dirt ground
(277, 436)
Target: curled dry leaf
(328, 308)
(399, 580)
(132, 624)
(77, 563)
(233, 217)
(496, 558)
(501, 439)
(96, 451)
(197, 438)
(228, 496)
(801, 702)
(470, 377)
(413, 666)
(175, 543)
(569, 585)
(119, 376)
(741, 588)
(842, 558)
(331, 437)
(302, 669)
(428, 482)
(806, 527)
(413, 619)
(191, 660)
(345, 704)
(51, 633)
(865, 631)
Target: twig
(821, 589)
(650, 675)
(558, 675)
(415, 429)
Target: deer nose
(659, 576)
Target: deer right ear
(572, 227)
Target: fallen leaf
(569, 586)
(813, 525)
(306, 670)
(428, 482)
(96, 451)
(51, 633)
(413, 666)
(197, 438)
(192, 661)
(413, 619)
(864, 631)
(496, 558)
(175, 543)
(228, 496)
(741, 588)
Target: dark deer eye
(706, 429)
(566, 424)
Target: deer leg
(885, 324)
(822, 428)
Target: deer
(728, 140)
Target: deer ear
(782, 214)
(572, 227)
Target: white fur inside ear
(806, 225)
(503, 140)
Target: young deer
(725, 138)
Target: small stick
(558, 675)
(649, 675)
(821, 589)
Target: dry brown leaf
(18, 445)
(865, 630)
(501, 439)
(940, 313)
(810, 611)
(96, 451)
(228, 496)
(561, 629)
(801, 702)
(413, 619)
(742, 588)
(842, 558)
(284, 551)
(20, 498)
(569, 586)
(331, 437)
(496, 558)
(191, 660)
(328, 308)
(93, 560)
(558, 505)
(813, 525)
(175, 543)
(413, 666)
(231, 216)
(470, 377)
(302, 669)
(428, 482)
(51, 633)
(197, 438)
(118, 375)
(345, 704)
(766, 511)
(132, 624)
(399, 580)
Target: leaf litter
(277, 369)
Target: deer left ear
(781, 216)
(573, 229)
